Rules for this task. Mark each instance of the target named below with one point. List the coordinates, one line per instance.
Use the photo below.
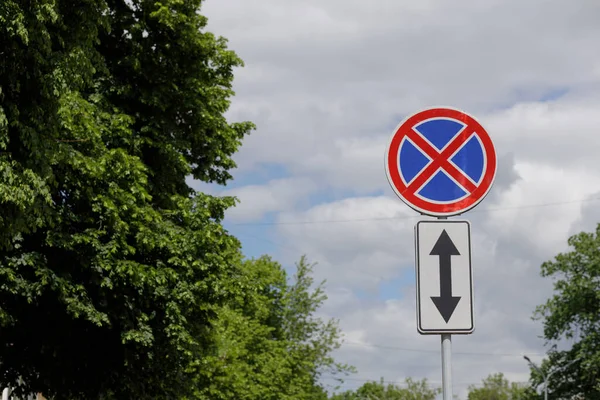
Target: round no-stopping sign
(441, 162)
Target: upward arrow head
(444, 246)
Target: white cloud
(508, 248)
(389, 346)
(590, 216)
(359, 245)
(562, 133)
(321, 71)
(326, 81)
(276, 195)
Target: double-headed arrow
(445, 248)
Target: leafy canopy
(111, 266)
(573, 313)
(414, 390)
(497, 387)
(270, 344)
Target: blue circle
(441, 188)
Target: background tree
(414, 390)
(553, 368)
(111, 266)
(497, 387)
(270, 345)
(573, 312)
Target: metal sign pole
(446, 360)
(447, 366)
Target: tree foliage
(117, 280)
(270, 344)
(573, 313)
(112, 269)
(414, 390)
(497, 387)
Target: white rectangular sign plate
(444, 277)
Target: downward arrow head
(446, 306)
(444, 246)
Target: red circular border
(425, 206)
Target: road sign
(441, 162)
(444, 277)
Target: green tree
(414, 390)
(112, 269)
(497, 387)
(270, 344)
(573, 312)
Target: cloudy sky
(327, 81)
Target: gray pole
(547, 377)
(541, 373)
(447, 366)
(446, 362)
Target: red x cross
(441, 160)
